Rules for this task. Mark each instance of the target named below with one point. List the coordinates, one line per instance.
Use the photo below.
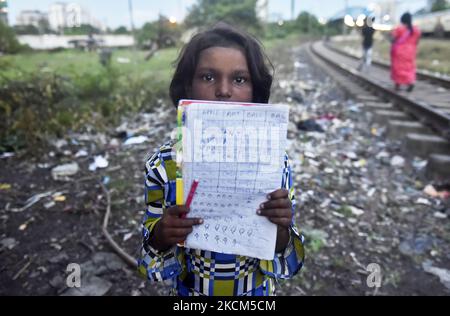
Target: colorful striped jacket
(198, 272)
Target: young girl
(221, 64)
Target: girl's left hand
(278, 208)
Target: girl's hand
(278, 208)
(172, 228)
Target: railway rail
(421, 74)
(423, 114)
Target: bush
(34, 109)
(8, 41)
(43, 105)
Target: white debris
(442, 274)
(127, 236)
(423, 201)
(99, 163)
(397, 161)
(356, 211)
(136, 140)
(63, 171)
(440, 215)
(81, 153)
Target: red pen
(190, 196)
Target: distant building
(57, 16)
(61, 15)
(31, 17)
(4, 11)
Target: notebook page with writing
(236, 151)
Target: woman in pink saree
(405, 38)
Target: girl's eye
(207, 77)
(240, 80)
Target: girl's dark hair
(406, 19)
(222, 35)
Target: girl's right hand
(172, 228)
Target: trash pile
(361, 200)
(52, 209)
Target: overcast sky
(114, 13)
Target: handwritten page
(237, 154)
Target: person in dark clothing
(367, 32)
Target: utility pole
(133, 31)
(292, 10)
(130, 9)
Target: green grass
(75, 63)
(47, 94)
(432, 54)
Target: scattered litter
(5, 186)
(81, 153)
(300, 65)
(371, 192)
(49, 205)
(382, 155)
(356, 211)
(423, 201)
(8, 243)
(60, 143)
(24, 226)
(397, 161)
(106, 180)
(310, 126)
(59, 198)
(33, 200)
(62, 172)
(416, 245)
(440, 215)
(442, 274)
(360, 163)
(135, 140)
(99, 163)
(6, 155)
(127, 236)
(419, 164)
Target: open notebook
(236, 152)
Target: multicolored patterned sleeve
(153, 264)
(288, 263)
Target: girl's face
(222, 75)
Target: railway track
(421, 119)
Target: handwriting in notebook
(236, 152)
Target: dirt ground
(357, 203)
